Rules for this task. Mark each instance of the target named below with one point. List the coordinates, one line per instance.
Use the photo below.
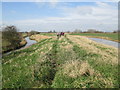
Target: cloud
(103, 12)
(51, 3)
(101, 16)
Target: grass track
(60, 63)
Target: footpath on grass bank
(67, 62)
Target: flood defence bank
(72, 62)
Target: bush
(33, 33)
(10, 35)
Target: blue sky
(60, 16)
(25, 10)
(18, 11)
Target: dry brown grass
(43, 53)
(23, 42)
(39, 37)
(67, 46)
(109, 55)
(76, 68)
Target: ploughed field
(68, 62)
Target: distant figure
(60, 34)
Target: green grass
(17, 71)
(48, 34)
(113, 36)
(107, 71)
(24, 35)
(30, 68)
(26, 71)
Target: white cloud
(41, 3)
(53, 3)
(102, 17)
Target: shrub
(10, 35)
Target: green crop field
(48, 34)
(67, 62)
(111, 36)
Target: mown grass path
(68, 62)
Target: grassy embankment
(6, 45)
(24, 35)
(67, 62)
(0, 42)
(39, 37)
(108, 36)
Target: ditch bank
(8, 48)
(23, 44)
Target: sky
(60, 16)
